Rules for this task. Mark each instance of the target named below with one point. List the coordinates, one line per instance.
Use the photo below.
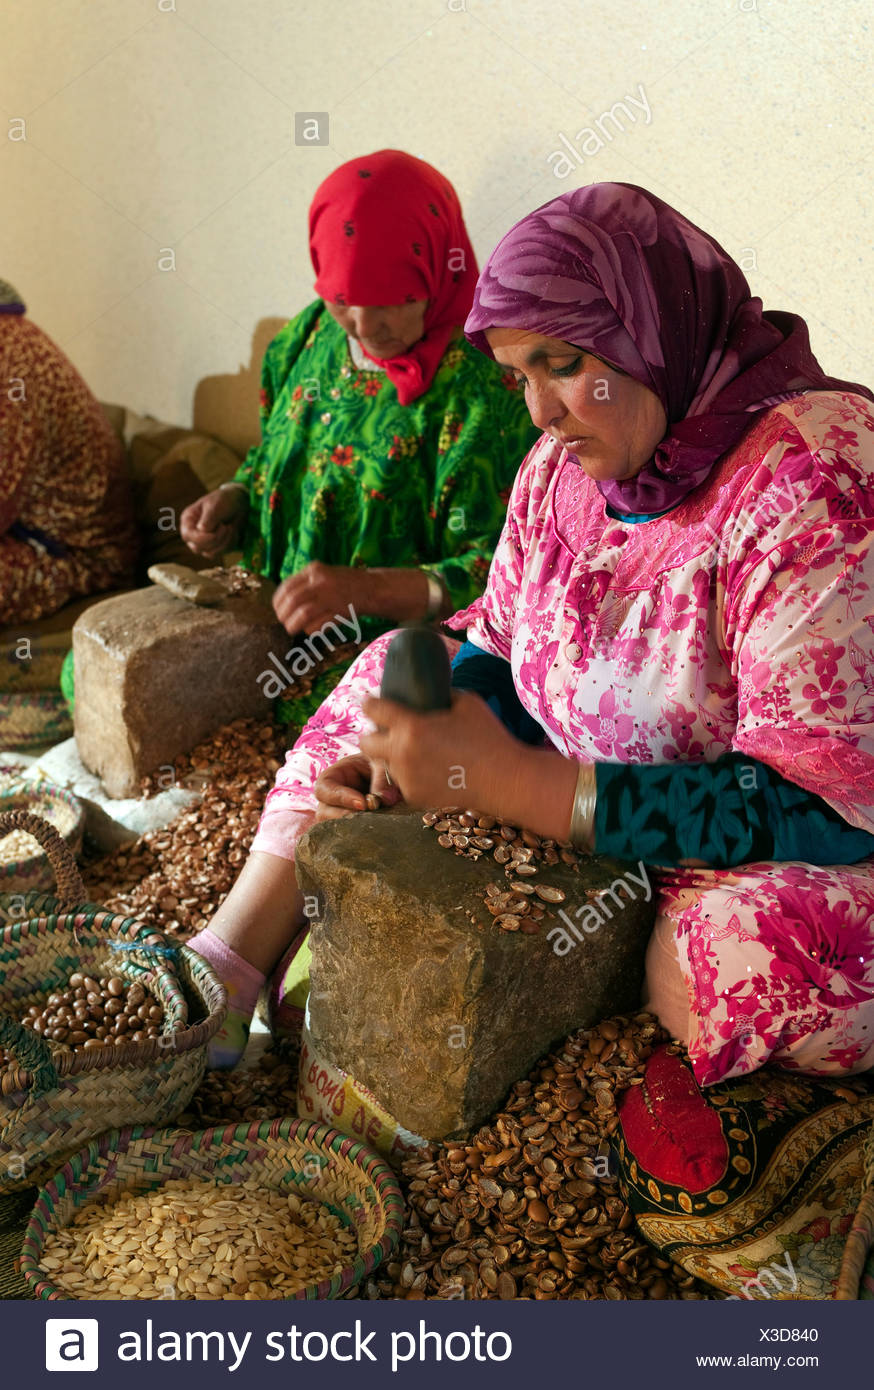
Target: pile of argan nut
(529, 1206)
(517, 904)
(522, 1208)
(234, 578)
(247, 1094)
(175, 878)
(94, 1012)
(18, 846)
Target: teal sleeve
(735, 810)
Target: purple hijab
(613, 269)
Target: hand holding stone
(459, 756)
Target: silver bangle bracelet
(582, 831)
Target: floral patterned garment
(346, 475)
(741, 620)
(66, 515)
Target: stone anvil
(418, 995)
(156, 673)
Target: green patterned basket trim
(145, 949)
(31, 1052)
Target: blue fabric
(491, 678)
(637, 517)
(735, 810)
(808, 829)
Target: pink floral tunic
(741, 620)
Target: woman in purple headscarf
(676, 635)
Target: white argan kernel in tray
(188, 1240)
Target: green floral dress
(346, 475)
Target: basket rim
(135, 1054)
(116, 1144)
(33, 793)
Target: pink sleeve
(331, 734)
(800, 635)
(280, 829)
(490, 619)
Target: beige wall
(153, 127)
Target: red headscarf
(387, 229)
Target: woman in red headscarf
(389, 443)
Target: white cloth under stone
(109, 822)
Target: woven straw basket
(284, 1155)
(51, 1103)
(861, 1237)
(62, 810)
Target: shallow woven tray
(285, 1155)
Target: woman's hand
(210, 525)
(460, 756)
(464, 756)
(319, 594)
(341, 789)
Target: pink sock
(243, 984)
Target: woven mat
(15, 1212)
(34, 720)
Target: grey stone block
(155, 675)
(435, 1013)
